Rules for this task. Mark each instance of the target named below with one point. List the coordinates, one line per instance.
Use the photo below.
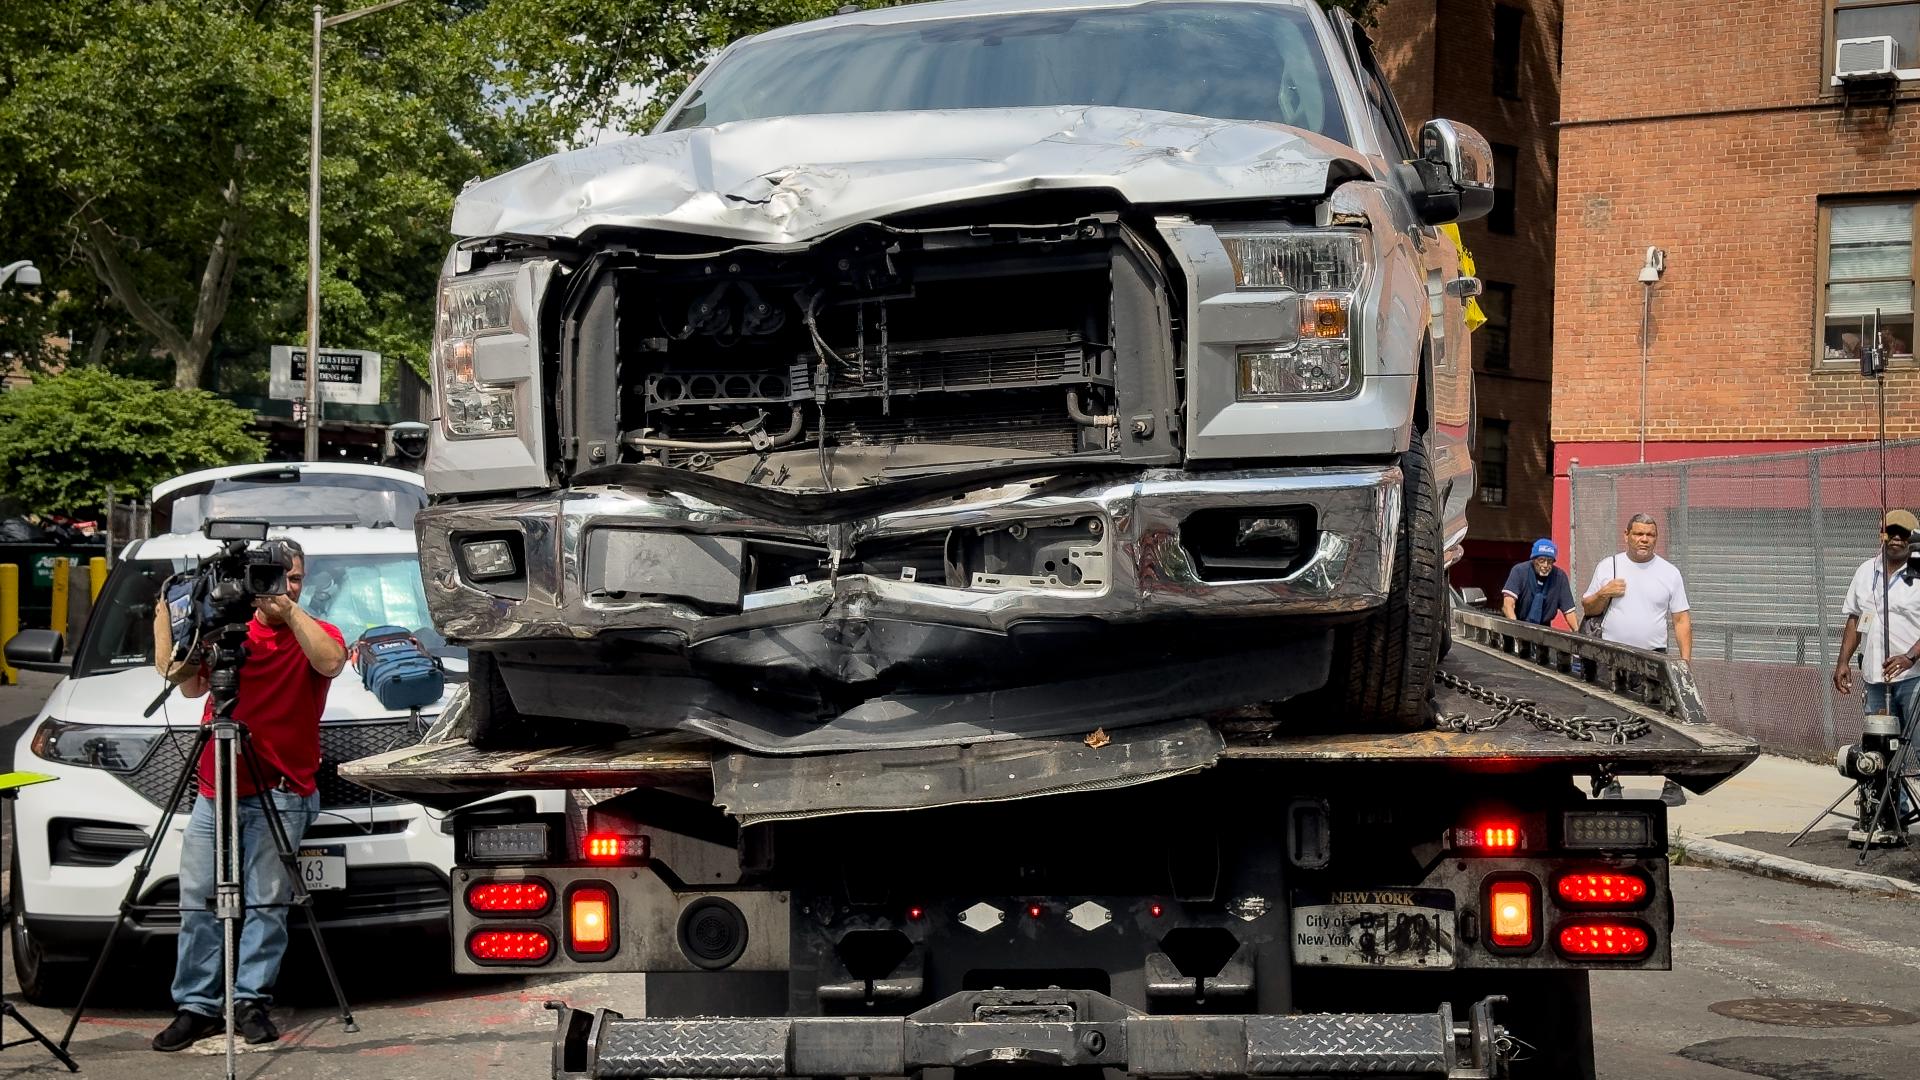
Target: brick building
(1495, 65)
(1785, 203)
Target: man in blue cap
(1537, 590)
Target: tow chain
(1600, 729)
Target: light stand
(10, 785)
(230, 742)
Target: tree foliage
(66, 439)
(160, 146)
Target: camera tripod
(10, 785)
(1878, 793)
(231, 746)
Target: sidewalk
(1746, 823)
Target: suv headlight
(95, 746)
(1325, 269)
(471, 311)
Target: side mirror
(1455, 170)
(1473, 596)
(37, 650)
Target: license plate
(1395, 928)
(323, 869)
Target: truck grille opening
(978, 345)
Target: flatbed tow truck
(1238, 894)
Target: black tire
(1383, 667)
(43, 981)
(497, 725)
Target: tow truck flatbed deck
(1519, 662)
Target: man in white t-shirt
(1883, 622)
(1636, 591)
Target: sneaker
(188, 1027)
(250, 1019)
(1888, 838)
(1857, 836)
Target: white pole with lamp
(321, 21)
(1656, 265)
(22, 272)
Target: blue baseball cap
(1544, 547)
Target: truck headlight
(471, 311)
(1326, 269)
(95, 746)
(1304, 260)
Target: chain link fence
(1768, 545)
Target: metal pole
(313, 253)
(1646, 320)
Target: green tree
(66, 439)
(584, 65)
(162, 144)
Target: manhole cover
(1800, 1012)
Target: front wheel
(1383, 667)
(43, 981)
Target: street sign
(347, 376)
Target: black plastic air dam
(902, 721)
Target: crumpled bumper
(1149, 575)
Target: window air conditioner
(1863, 58)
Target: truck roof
(968, 9)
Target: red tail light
(1499, 837)
(590, 920)
(1510, 914)
(1623, 939)
(510, 946)
(1602, 889)
(611, 847)
(509, 897)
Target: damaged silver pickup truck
(958, 372)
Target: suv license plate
(324, 869)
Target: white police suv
(371, 860)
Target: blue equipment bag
(393, 665)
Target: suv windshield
(1231, 61)
(353, 592)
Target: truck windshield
(1231, 61)
(353, 592)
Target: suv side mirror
(37, 650)
(1455, 168)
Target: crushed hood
(796, 178)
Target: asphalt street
(1841, 969)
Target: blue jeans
(1906, 695)
(198, 978)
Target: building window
(1867, 260)
(1506, 159)
(1507, 25)
(1490, 341)
(1855, 19)
(1493, 462)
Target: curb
(1734, 857)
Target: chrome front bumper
(1148, 575)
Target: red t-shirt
(281, 698)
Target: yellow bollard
(96, 575)
(9, 617)
(57, 621)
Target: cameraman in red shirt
(291, 660)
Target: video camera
(220, 592)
